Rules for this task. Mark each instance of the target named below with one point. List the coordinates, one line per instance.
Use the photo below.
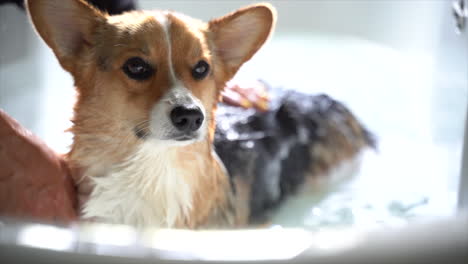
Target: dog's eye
(137, 69)
(200, 70)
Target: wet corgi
(148, 85)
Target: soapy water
(389, 190)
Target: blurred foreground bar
(441, 241)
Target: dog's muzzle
(178, 118)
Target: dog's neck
(154, 185)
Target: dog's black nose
(187, 119)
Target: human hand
(246, 95)
(35, 183)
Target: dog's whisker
(142, 130)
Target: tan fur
(93, 49)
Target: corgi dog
(149, 84)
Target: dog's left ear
(239, 35)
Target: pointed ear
(239, 35)
(65, 25)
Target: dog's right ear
(67, 26)
(240, 34)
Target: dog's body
(303, 143)
(148, 85)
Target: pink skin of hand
(246, 95)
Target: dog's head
(157, 74)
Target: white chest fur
(149, 189)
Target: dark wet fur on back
(273, 153)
